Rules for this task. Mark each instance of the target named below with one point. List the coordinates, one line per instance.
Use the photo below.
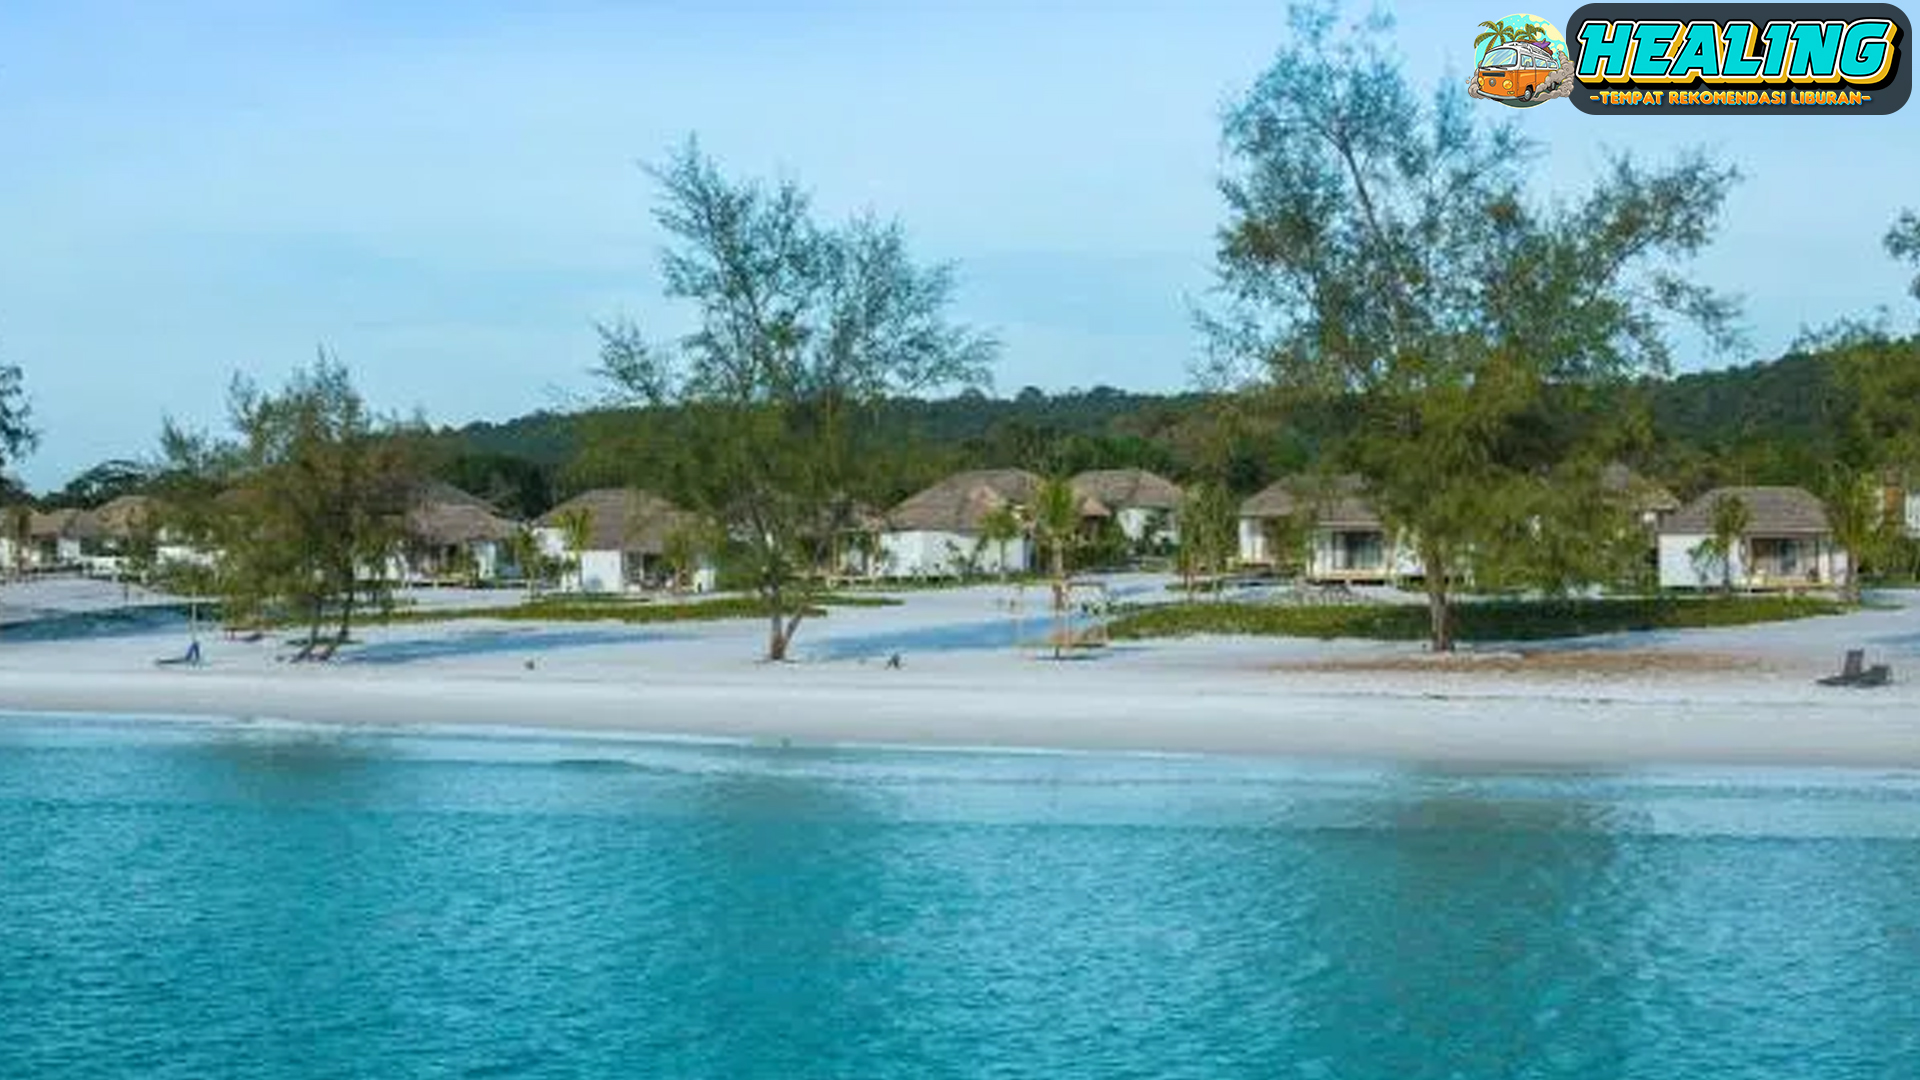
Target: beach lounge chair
(1854, 672)
(1851, 669)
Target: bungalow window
(1361, 551)
(1776, 557)
(637, 569)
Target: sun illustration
(1521, 60)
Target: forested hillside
(1769, 422)
(1766, 422)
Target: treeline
(1770, 422)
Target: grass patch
(1490, 620)
(855, 600)
(578, 609)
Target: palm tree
(864, 544)
(1209, 534)
(19, 531)
(1056, 526)
(576, 525)
(1000, 527)
(525, 546)
(691, 545)
(1854, 511)
(1731, 518)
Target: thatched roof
(1772, 511)
(864, 518)
(961, 502)
(1643, 494)
(122, 517)
(623, 519)
(67, 524)
(443, 514)
(853, 517)
(1335, 503)
(1124, 489)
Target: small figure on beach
(894, 661)
(191, 658)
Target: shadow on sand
(499, 642)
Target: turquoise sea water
(184, 900)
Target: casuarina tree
(800, 328)
(17, 434)
(1383, 255)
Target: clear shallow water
(188, 901)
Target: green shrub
(1491, 620)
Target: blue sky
(446, 193)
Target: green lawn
(1493, 620)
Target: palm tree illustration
(1499, 33)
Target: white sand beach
(1743, 696)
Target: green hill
(1765, 422)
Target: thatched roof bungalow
(1142, 502)
(1787, 543)
(452, 535)
(938, 532)
(123, 519)
(443, 515)
(1342, 536)
(628, 533)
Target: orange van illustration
(1518, 69)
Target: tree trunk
(346, 619)
(1059, 561)
(1439, 602)
(1439, 614)
(776, 629)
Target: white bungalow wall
(1332, 559)
(1253, 541)
(600, 572)
(929, 553)
(1818, 562)
(1136, 522)
(1325, 562)
(186, 555)
(606, 571)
